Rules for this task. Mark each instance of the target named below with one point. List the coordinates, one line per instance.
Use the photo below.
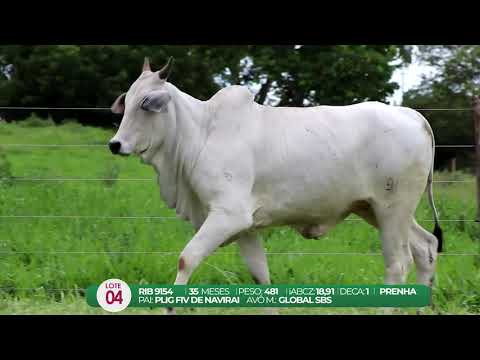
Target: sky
(408, 78)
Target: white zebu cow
(230, 166)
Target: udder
(313, 231)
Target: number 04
(110, 297)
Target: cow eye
(144, 105)
(155, 101)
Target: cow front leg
(253, 253)
(217, 228)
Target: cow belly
(311, 184)
(323, 198)
(289, 205)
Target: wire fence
(53, 108)
(166, 253)
(108, 217)
(55, 145)
(454, 146)
(74, 179)
(150, 179)
(41, 289)
(104, 146)
(176, 253)
(104, 108)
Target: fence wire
(104, 146)
(109, 108)
(172, 253)
(74, 179)
(177, 253)
(167, 253)
(107, 217)
(56, 145)
(53, 108)
(149, 179)
(39, 289)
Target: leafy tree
(313, 75)
(94, 75)
(455, 82)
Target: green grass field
(36, 280)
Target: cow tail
(437, 231)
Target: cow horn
(146, 65)
(164, 73)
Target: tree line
(295, 75)
(453, 84)
(94, 75)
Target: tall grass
(457, 286)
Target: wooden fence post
(476, 121)
(453, 165)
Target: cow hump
(232, 97)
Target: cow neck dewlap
(185, 136)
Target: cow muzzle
(115, 147)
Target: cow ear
(118, 106)
(155, 101)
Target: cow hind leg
(253, 253)
(394, 229)
(424, 250)
(398, 258)
(365, 211)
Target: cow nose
(115, 146)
